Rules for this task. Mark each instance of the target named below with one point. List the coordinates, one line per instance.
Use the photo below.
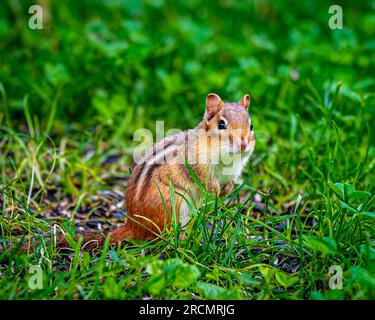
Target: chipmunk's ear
(245, 101)
(213, 104)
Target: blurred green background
(123, 64)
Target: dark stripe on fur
(148, 175)
(185, 171)
(162, 147)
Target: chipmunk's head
(229, 124)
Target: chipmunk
(224, 135)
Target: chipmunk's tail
(90, 240)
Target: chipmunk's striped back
(150, 183)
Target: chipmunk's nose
(243, 144)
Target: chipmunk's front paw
(214, 188)
(226, 188)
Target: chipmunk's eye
(251, 127)
(222, 125)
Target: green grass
(73, 94)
